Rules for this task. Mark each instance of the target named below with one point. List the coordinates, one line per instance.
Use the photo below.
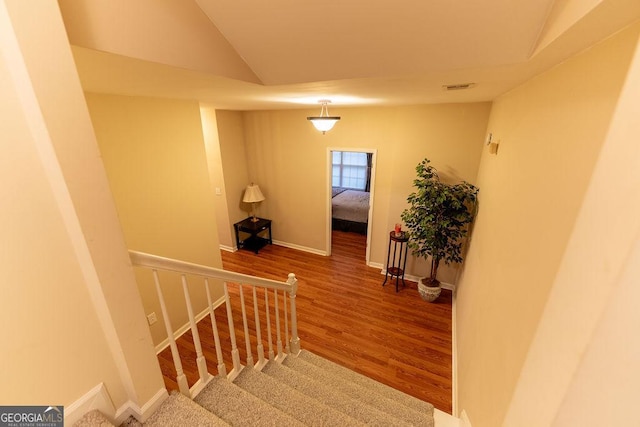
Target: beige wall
(71, 313)
(154, 154)
(592, 378)
(551, 131)
(234, 164)
(53, 349)
(216, 174)
(288, 158)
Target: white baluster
(235, 355)
(286, 323)
(278, 335)
(295, 340)
(201, 361)
(181, 379)
(222, 370)
(266, 305)
(259, 347)
(247, 339)
(156, 263)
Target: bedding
(350, 210)
(337, 190)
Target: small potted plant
(437, 220)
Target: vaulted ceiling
(254, 54)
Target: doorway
(350, 180)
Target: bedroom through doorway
(351, 175)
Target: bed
(349, 210)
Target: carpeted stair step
(178, 410)
(394, 402)
(301, 407)
(93, 418)
(239, 407)
(331, 397)
(357, 378)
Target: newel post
(295, 340)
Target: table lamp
(253, 195)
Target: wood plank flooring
(346, 316)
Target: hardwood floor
(346, 316)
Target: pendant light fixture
(324, 121)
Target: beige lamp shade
(253, 195)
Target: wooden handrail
(142, 259)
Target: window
(349, 170)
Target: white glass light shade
(252, 194)
(323, 122)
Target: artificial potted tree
(437, 219)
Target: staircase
(303, 390)
(284, 386)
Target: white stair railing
(181, 378)
(232, 300)
(278, 334)
(245, 325)
(222, 369)
(259, 346)
(201, 362)
(269, 335)
(235, 353)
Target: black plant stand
(398, 259)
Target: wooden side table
(254, 242)
(398, 263)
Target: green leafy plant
(437, 217)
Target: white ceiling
(286, 41)
(352, 52)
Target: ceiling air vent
(459, 86)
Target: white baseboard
(442, 419)
(464, 418)
(300, 248)
(376, 265)
(141, 413)
(448, 286)
(184, 328)
(412, 278)
(228, 248)
(96, 398)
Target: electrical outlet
(151, 318)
